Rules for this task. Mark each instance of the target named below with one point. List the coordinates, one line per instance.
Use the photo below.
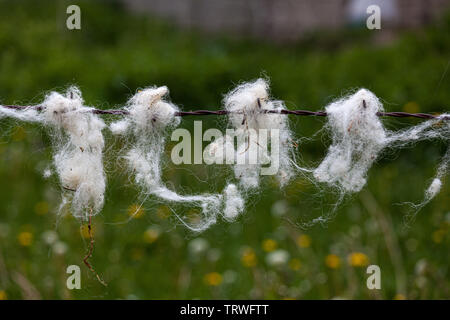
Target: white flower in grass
(277, 258)
(280, 208)
(198, 246)
(50, 237)
(229, 276)
(59, 248)
(214, 254)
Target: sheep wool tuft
(247, 105)
(357, 138)
(150, 116)
(234, 203)
(78, 148)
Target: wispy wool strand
(147, 123)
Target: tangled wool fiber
(358, 137)
(149, 119)
(28, 114)
(234, 203)
(442, 171)
(246, 105)
(431, 129)
(78, 148)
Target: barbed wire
(121, 112)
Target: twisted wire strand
(121, 112)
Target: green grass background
(116, 53)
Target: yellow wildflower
(304, 241)
(213, 278)
(358, 259)
(3, 295)
(25, 238)
(399, 296)
(248, 258)
(269, 245)
(332, 261)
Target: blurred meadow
(265, 254)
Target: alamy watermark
(374, 20)
(258, 147)
(74, 280)
(73, 21)
(374, 280)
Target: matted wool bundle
(150, 117)
(358, 138)
(77, 148)
(247, 107)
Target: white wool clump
(434, 188)
(249, 171)
(149, 118)
(78, 148)
(47, 173)
(358, 136)
(234, 203)
(219, 151)
(150, 112)
(119, 127)
(247, 105)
